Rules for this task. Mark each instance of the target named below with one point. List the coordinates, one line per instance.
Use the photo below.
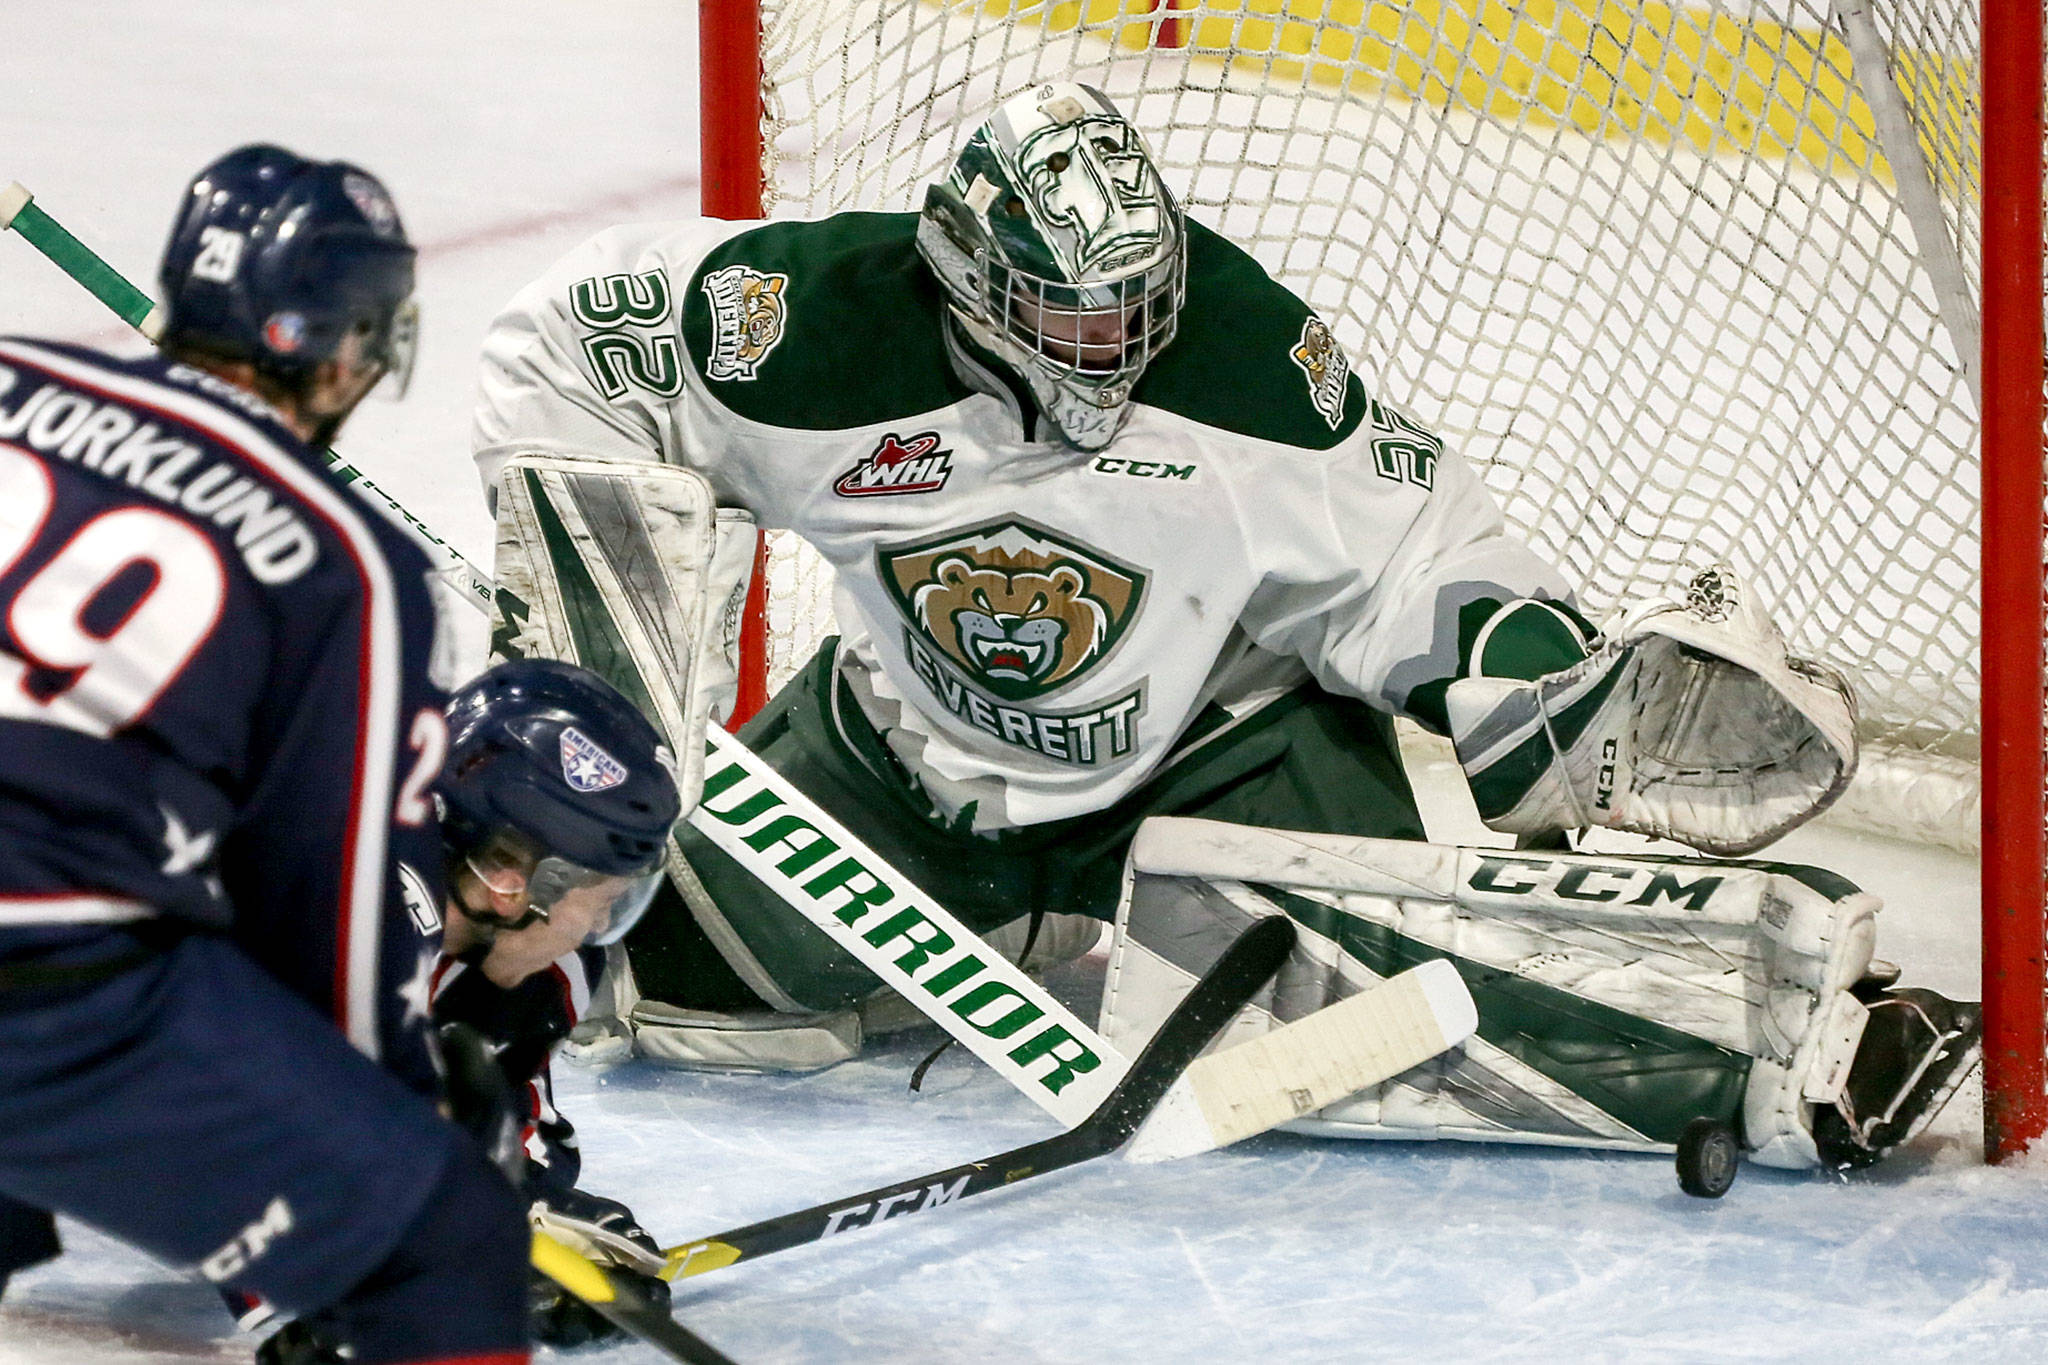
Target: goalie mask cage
(1712, 281)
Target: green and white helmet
(1062, 252)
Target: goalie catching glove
(1689, 722)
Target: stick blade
(1235, 977)
(1315, 1061)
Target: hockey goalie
(1121, 541)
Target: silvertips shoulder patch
(749, 309)
(1319, 357)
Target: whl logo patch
(1021, 611)
(587, 767)
(916, 465)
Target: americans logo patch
(585, 766)
(747, 318)
(896, 465)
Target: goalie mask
(557, 800)
(1061, 252)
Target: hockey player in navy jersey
(558, 798)
(218, 738)
(558, 802)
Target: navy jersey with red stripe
(215, 701)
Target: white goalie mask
(1061, 252)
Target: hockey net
(1685, 283)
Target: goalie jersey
(1033, 628)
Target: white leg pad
(699, 1040)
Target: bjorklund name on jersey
(272, 540)
(1102, 734)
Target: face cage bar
(1006, 292)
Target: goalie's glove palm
(1691, 723)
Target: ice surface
(510, 131)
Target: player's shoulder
(153, 386)
(151, 432)
(1251, 358)
(821, 324)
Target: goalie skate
(1916, 1050)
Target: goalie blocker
(1619, 998)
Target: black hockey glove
(606, 1231)
(28, 1236)
(562, 1319)
(480, 1098)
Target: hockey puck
(1709, 1154)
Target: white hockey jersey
(1030, 626)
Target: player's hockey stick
(1410, 1010)
(19, 211)
(1235, 977)
(622, 1302)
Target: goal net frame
(1989, 307)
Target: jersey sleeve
(1396, 561)
(588, 360)
(523, 1024)
(334, 863)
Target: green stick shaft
(83, 264)
(19, 211)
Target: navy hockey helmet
(274, 259)
(557, 789)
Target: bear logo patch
(1021, 612)
(1320, 358)
(747, 318)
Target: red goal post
(1747, 279)
(2013, 848)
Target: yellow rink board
(1657, 72)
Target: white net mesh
(1648, 268)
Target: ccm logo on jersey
(248, 1244)
(1142, 469)
(1593, 882)
(898, 466)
